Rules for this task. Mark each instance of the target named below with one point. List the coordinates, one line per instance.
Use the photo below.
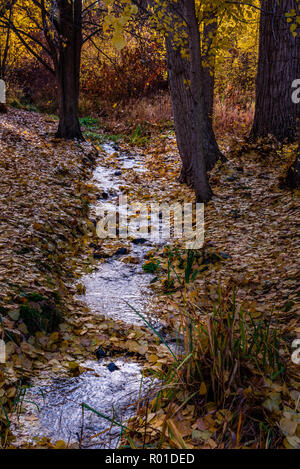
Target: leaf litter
(48, 242)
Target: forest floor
(47, 242)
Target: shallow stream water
(58, 402)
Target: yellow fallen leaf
(203, 389)
(60, 444)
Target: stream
(57, 409)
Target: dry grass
(153, 110)
(231, 118)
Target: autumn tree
(174, 23)
(198, 111)
(192, 111)
(278, 67)
(54, 31)
(179, 71)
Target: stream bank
(110, 387)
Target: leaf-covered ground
(250, 245)
(44, 203)
(45, 237)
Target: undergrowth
(223, 372)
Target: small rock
(100, 353)
(121, 251)
(139, 241)
(117, 173)
(104, 196)
(112, 367)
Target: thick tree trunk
(68, 68)
(278, 67)
(199, 116)
(182, 103)
(178, 73)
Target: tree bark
(199, 117)
(4, 57)
(182, 103)
(69, 25)
(278, 67)
(209, 31)
(209, 85)
(178, 73)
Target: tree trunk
(209, 32)
(199, 117)
(278, 67)
(3, 60)
(293, 175)
(178, 73)
(209, 85)
(68, 68)
(182, 103)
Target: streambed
(56, 403)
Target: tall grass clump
(227, 349)
(225, 369)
